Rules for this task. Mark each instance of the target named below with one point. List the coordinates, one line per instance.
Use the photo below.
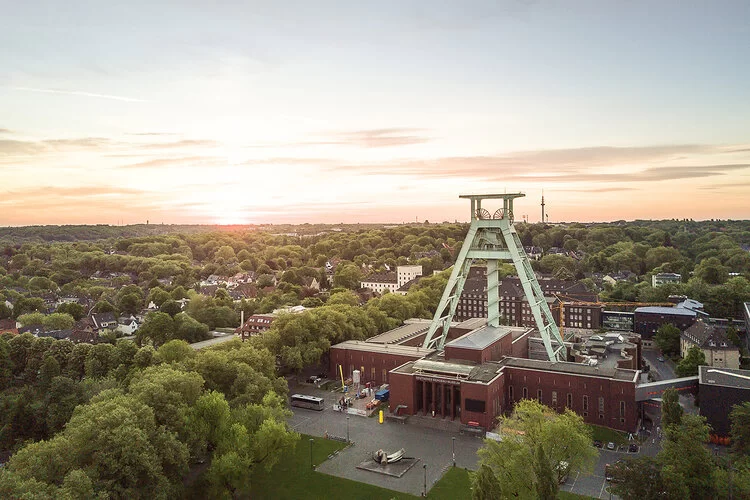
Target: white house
(127, 325)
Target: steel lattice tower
(493, 239)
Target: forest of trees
(67, 410)
(120, 421)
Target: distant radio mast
(542, 206)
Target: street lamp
(424, 492)
(311, 462)
(347, 429)
(454, 450)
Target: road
(223, 337)
(661, 370)
(665, 370)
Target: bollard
(380, 417)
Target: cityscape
(455, 251)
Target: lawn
(454, 485)
(293, 478)
(606, 435)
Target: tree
(31, 319)
(670, 407)
(73, 308)
(170, 307)
(158, 328)
(667, 338)
(527, 462)
(740, 417)
(638, 479)
(687, 464)
(130, 303)
(347, 276)
(690, 363)
(59, 321)
(190, 330)
(346, 297)
(158, 296)
(712, 271)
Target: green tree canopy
(527, 462)
(690, 363)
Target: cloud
(175, 162)
(598, 190)
(185, 143)
(376, 138)
(157, 134)
(5, 131)
(53, 196)
(80, 93)
(594, 164)
(716, 187)
(24, 147)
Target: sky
(235, 112)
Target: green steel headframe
(493, 239)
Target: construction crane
(565, 300)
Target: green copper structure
(493, 239)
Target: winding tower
(492, 239)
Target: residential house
(100, 321)
(8, 326)
(392, 281)
(720, 352)
(311, 282)
(127, 325)
(660, 279)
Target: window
(372, 373)
(385, 376)
(570, 401)
(474, 405)
(601, 404)
(525, 393)
(585, 403)
(554, 398)
(539, 395)
(622, 408)
(510, 392)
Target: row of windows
(569, 401)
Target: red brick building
(481, 374)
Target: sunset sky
(317, 111)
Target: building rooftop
(471, 323)
(404, 350)
(457, 370)
(673, 311)
(708, 336)
(411, 328)
(575, 368)
(724, 377)
(482, 337)
(389, 277)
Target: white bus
(309, 402)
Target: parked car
(313, 379)
(611, 446)
(660, 358)
(597, 443)
(633, 448)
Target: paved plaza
(429, 440)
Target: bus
(309, 402)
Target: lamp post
(454, 450)
(347, 429)
(424, 492)
(311, 462)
